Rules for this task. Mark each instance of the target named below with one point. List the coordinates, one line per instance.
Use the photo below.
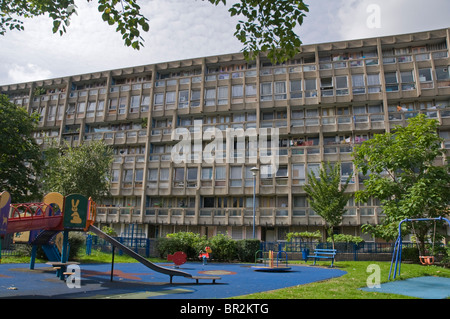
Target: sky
(183, 29)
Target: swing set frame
(397, 254)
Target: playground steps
(44, 237)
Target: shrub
(246, 249)
(187, 242)
(223, 247)
(307, 236)
(342, 238)
(77, 241)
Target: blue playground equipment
(397, 254)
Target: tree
(20, 156)
(327, 195)
(84, 169)
(267, 25)
(403, 175)
(124, 14)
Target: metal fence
(348, 251)
(141, 245)
(148, 247)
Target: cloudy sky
(181, 29)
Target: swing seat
(426, 260)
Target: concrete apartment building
(329, 98)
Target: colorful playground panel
(73, 212)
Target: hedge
(223, 247)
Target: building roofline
(353, 44)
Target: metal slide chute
(142, 260)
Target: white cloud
(181, 29)
(396, 17)
(29, 72)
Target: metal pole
(254, 170)
(254, 204)
(112, 262)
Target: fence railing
(147, 247)
(141, 245)
(342, 248)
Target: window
(281, 175)
(442, 73)
(51, 113)
(326, 86)
(60, 112)
(248, 176)
(407, 80)
(425, 78)
(122, 105)
(373, 81)
(135, 103)
(346, 171)
(326, 83)
(375, 108)
(391, 81)
(237, 91)
(178, 177)
(298, 174)
(70, 111)
(138, 177)
(210, 97)
(183, 99)
(220, 176)
(90, 112)
(81, 108)
(170, 98)
(152, 178)
(145, 103)
(358, 84)
(314, 169)
(280, 90)
(296, 89)
(115, 175)
(127, 178)
(310, 88)
(192, 177)
(164, 178)
(341, 85)
(222, 95)
(208, 202)
(267, 116)
(250, 90)
(206, 177)
(195, 98)
(266, 91)
(300, 203)
(235, 176)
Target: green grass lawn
(347, 286)
(344, 287)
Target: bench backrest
(325, 251)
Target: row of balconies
(231, 216)
(345, 123)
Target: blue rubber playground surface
(135, 281)
(427, 287)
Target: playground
(135, 281)
(61, 278)
(178, 279)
